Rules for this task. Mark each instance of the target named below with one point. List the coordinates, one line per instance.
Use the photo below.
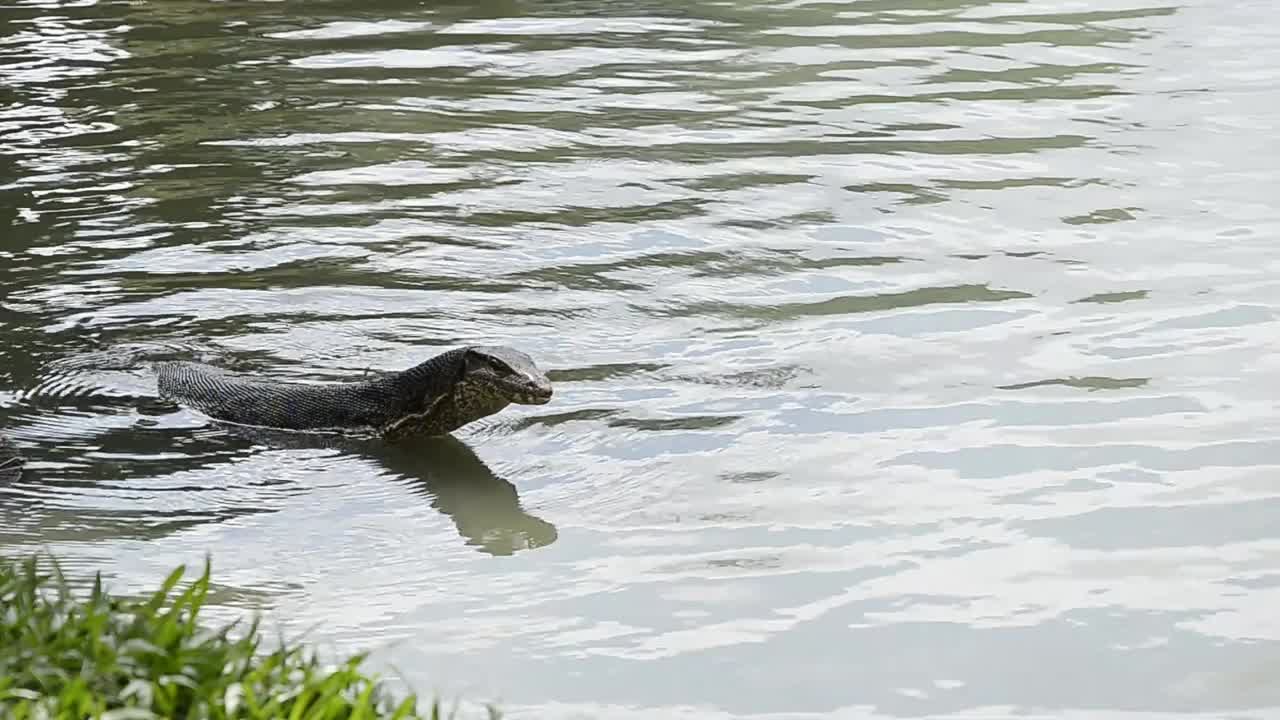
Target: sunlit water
(912, 358)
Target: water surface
(912, 358)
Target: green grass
(97, 656)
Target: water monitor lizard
(432, 398)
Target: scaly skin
(433, 398)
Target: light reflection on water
(911, 358)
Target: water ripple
(912, 358)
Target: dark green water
(913, 359)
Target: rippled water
(912, 358)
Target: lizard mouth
(534, 395)
(529, 391)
